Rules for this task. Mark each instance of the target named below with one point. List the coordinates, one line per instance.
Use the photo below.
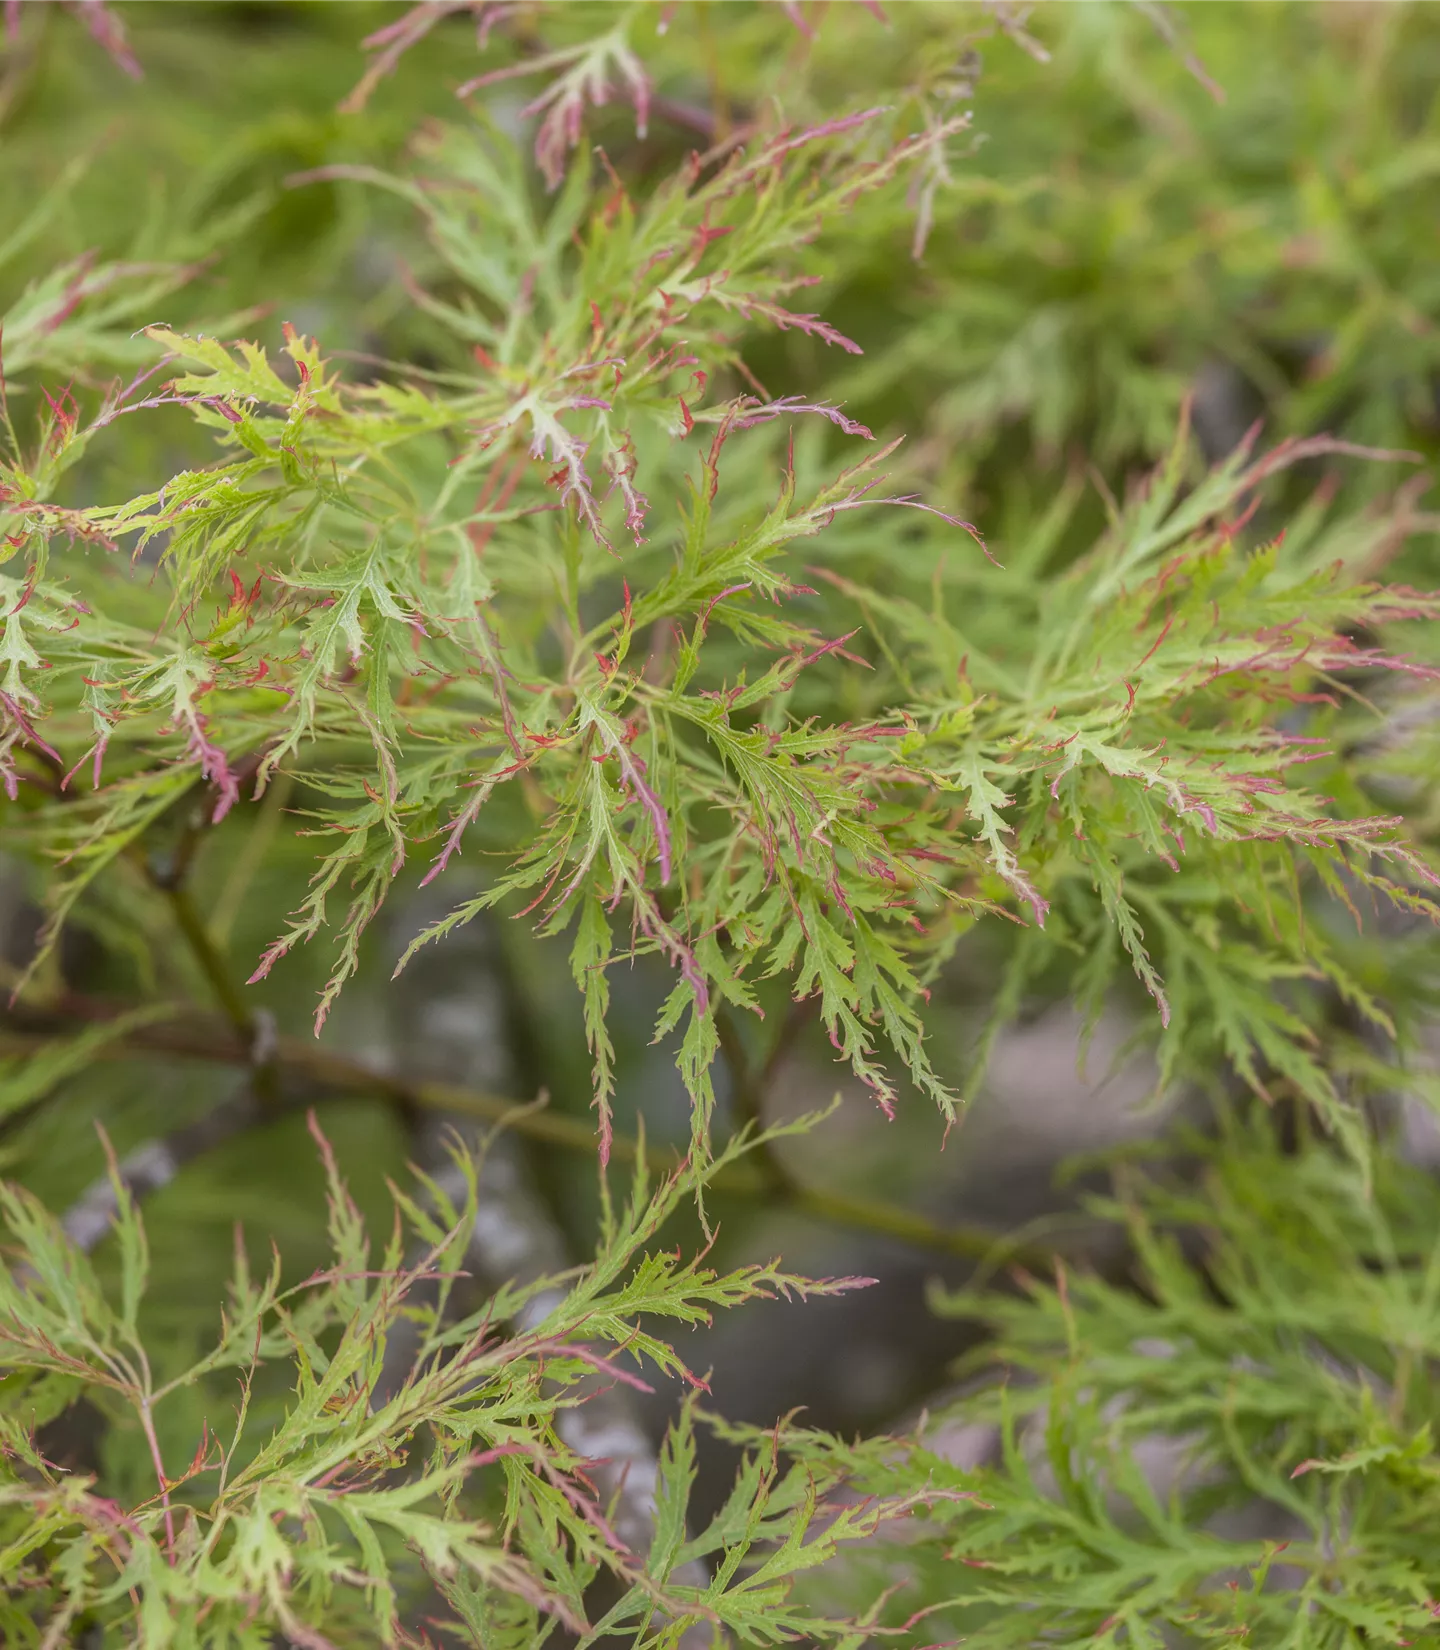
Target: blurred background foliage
(1233, 207)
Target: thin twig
(340, 1075)
(255, 1030)
(212, 965)
(148, 1425)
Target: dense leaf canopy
(845, 507)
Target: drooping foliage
(823, 503)
(1240, 1449)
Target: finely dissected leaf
(314, 1497)
(797, 533)
(1259, 1389)
(380, 551)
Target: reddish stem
(148, 1426)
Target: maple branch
(23, 1028)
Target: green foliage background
(545, 544)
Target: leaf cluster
(1240, 1448)
(752, 525)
